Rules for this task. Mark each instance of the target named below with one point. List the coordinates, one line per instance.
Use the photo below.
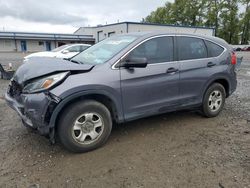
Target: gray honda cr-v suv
(120, 79)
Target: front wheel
(214, 100)
(84, 126)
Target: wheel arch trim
(74, 96)
(213, 80)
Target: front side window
(105, 50)
(214, 50)
(156, 50)
(191, 48)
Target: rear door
(153, 89)
(196, 66)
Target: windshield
(104, 50)
(59, 48)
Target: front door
(23, 46)
(153, 89)
(100, 36)
(48, 46)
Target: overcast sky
(65, 16)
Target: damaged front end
(29, 91)
(35, 109)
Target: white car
(65, 51)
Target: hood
(41, 54)
(36, 67)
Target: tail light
(233, 59)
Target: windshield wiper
(73, 61)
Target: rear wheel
(84, 126)
(214, 100)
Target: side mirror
(65, 51)
(135, 63)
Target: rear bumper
(233, 88)
(233, 83)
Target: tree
(229, 26)
(195, 12)
(245, 23)
(181, 12)
(212, 15)
(223, 15)
(178, 12)
(162, 15)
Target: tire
(80, 123)
(211, 106)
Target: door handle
(210, 64)
(172, 70)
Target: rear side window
(191, 48)
(214, 50)
(156, 50)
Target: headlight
(44, 83)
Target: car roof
(78, 44)
(158, 33)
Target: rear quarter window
(213, 49)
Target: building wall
(87, 30)
(7, 45)
(170, 29)
(107, 31)
(34, 45)
(102, 32)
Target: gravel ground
(180, 149)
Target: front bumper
(19, 109)
(34, 109)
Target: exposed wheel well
(97, 97)
(107, 102)
(224, 83)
